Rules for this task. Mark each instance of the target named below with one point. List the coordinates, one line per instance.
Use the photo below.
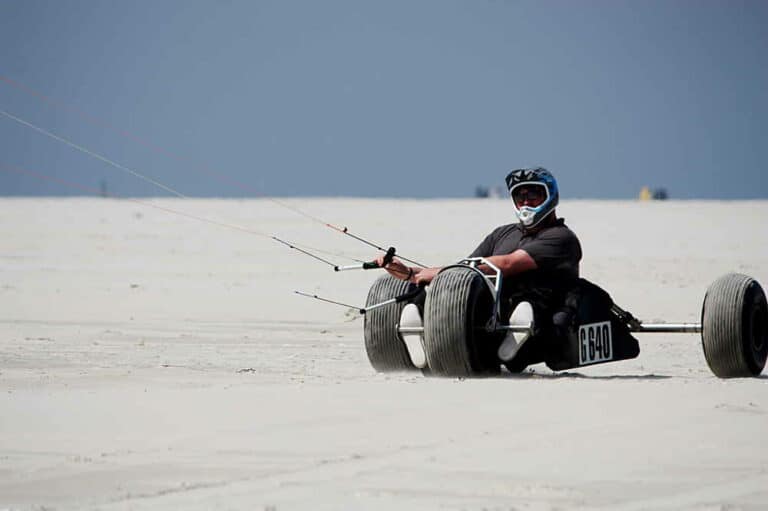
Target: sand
(152, 361)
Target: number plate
(595, 343)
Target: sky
(396, 98)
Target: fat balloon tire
(458, 306)
(734, 319)
(385, 349)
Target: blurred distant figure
(656, 194)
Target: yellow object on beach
(645, 193)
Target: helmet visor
(529, 194)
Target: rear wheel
(383, 345)
(734, 321)
(459, 305)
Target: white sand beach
(153, 361)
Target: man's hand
(420, 276)
(395, 268)
(425, 276)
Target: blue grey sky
(409, 98)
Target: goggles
(533, 193)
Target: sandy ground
(151, 361)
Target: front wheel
(383, 345)
(458, 307)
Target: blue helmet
(536, 176)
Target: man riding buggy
(518, 300)
(538, 258)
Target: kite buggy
(465, 333)
(519, 300)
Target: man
(538, 258)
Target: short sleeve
(485, 248)
(555, 249)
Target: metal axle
(668, 328)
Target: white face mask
(526, 215)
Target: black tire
(458, 305)
(734, 320)
(386, 350)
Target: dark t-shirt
(555, 249)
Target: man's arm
(517, 262)
(510, 264)
(397, 269)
